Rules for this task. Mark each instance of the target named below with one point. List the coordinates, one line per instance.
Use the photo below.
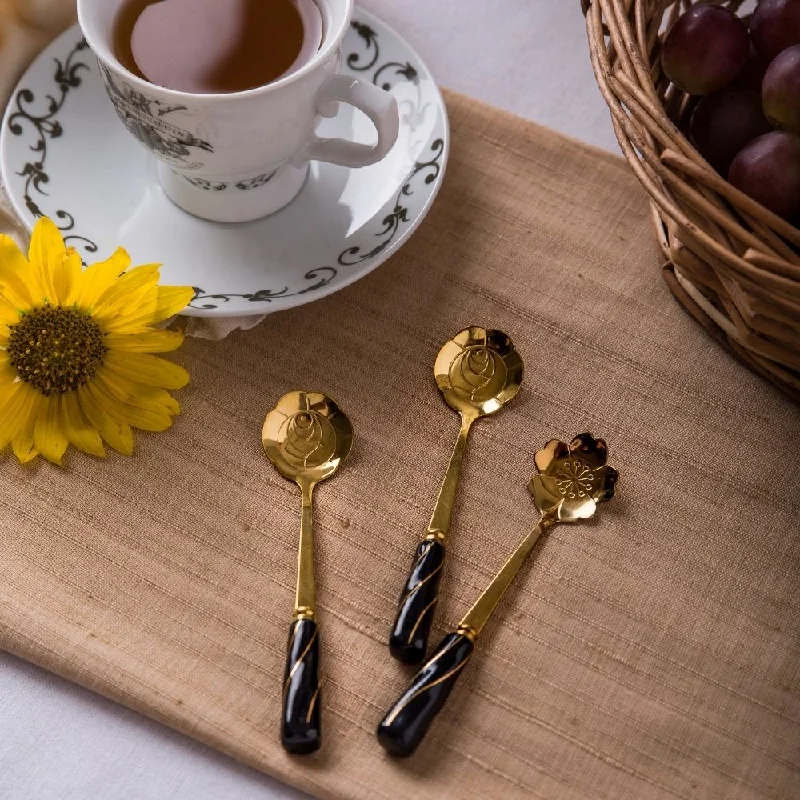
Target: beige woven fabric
(26, 26)
(651, 654)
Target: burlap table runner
(653, 654)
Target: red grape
(723, 123)
(768, 169)
(705, 49)
(752, 76)
(782, 90)
(775, 26)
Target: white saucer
(64, 154)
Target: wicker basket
(733, 264)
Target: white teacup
(239, 157)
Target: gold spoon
(306, 437)
(571, 481)
(478, 372)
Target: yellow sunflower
(76, 363)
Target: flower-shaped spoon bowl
(306, 437)
(572, 478)
(478, 372)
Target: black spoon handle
(408, 641)
(300, 723)
(404, 727)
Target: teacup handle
(378, 105)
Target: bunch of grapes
(747, 121)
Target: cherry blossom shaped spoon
(572, 480)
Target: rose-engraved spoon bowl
(572, 480)
(306, 437)
(478, 372)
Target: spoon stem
(408, 641)
(479, 614)
(305, 600)
(439, 526)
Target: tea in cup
(226, 95)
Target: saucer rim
(220, 312)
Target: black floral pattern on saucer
(46, 127)
(386, 75)
(393, 222)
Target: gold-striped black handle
(300, 725)
(408, 641)
(406, 724)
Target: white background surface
(60, 742)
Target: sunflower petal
(8, 378)
(172, 300)
(140, 395)
(137, 317)
(147, 369)
(18, 283)
(14, 403)
(97, 278)
(164, 398)
(145, 342)
(115, 433)
(9, 315)
(22, 446)
(139, 410)
(67, 277)
(22, 443)
(126, 294)
(46, 254)
(78, 429)
(12, 259)
(48, 436)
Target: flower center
(56, 350)
(574, 479)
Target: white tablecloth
(60, 742)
